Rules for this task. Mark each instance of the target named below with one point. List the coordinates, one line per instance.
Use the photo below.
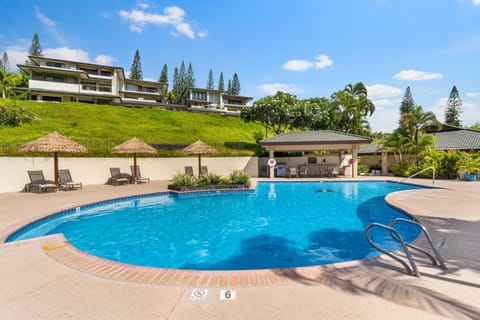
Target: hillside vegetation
(101, 127)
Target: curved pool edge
(59, 249)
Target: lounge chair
(203, 170)
(38, 182)
(140, 179)
(292, 172)
(118, 177)
(189, 170)
(302, 171)
(66, 181)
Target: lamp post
(416, 142)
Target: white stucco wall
(97, 170)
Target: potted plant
(468, 167)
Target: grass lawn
(101, 127)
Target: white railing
(423, 170)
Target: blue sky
(310, 48)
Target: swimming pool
(278, 225)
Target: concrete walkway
(35, 286)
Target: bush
(239, 177)
(184, 180)
(13, 116)
(363, 169)
(209, 179)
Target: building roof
(463, 139)
(315, 137)
(451, 139)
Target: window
(105, 73)
(213, 98)
(132, 87)
(199, 95)
(55, 64)
(54, 79)
(52, 99)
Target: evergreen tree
(221, 83)
(181, 82)
(175, 85)
(454, 108)
(407, 105)
(4, 64)
(190, 80)
(229, 87)
(35, 48)
(136, 68)
(210, 83)
(235, 85)
(164, 75)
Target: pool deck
(48, 279)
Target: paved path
(35, 286)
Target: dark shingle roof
(464, 139)
(369, 149)
(315, 137)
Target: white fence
(97, 170)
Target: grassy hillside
(101, 127)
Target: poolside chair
(292, 172)
(189, 170)
(66, 181)
(302, 172)
(38, 182)
(118, 178)
(140, 179)
(203, 170)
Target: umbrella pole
(199, 165)
(135, 168)
(55, 167)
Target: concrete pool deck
(36, 284)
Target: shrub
(363, 168)
(184, 180)
(209, 179)
(239, 177)
(13, 116)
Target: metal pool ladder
(412, 269)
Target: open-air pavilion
(321, 140)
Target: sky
(309, 48)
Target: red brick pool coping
(59, 249)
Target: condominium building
(63, 81)
(216, 101)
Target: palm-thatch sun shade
(199, 148)
(134, 146)
(53, 143)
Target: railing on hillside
(421, 171)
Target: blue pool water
(276, 226)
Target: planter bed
(208, 187)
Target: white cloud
(469, 115)
(272, 88)
(321, 61)
(415, 75)
(143, 5)
(17, 53)
(202, 34)
(476, 3)
(104, 59)
(382, 91)
(51, 26)
(172, 16)
(65, 53)
(297, 65)
(473, 94)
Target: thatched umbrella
(134, 146)
(199, 148)
(53, 142)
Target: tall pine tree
(35, 49)
(229, 87)
(190, 80)
(174, 90)
(221, 83)
(210, 83)
(164, 74)
(4, 64)
(454, 108)
(136, 68)
(407, 105)
(235, 85)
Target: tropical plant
(13, 116)
(239, 177)
(468, 164)
(184, 180)
(210, 179)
